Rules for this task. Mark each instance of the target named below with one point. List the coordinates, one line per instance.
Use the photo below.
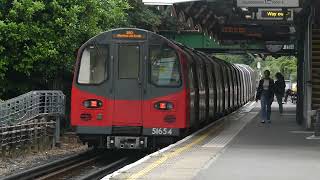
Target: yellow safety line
(172, 154)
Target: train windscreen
(164, 66)
(93, 69)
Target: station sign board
(268, 3)
(234, 29)
(234, 32)
(274, 14)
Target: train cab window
(164, 66)
(93, 65)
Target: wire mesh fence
(31, 121)
(31, 105)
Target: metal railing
(31, 105)
(31, 120)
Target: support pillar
(56, 139)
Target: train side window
(93, 65)
(164, 66)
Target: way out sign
(275, 14)
(268, 3)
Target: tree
(144, 17)
(39, 39)
(287, 65)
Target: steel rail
(98, 174)
(52, 167)
(69, 168)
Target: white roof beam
(165, 2)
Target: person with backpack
(279, 90)
(265, 94)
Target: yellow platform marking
(172, 154)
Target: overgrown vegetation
(287, 65)
(39, 39)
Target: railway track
(85, 166)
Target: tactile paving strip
(231, 130)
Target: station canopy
(271, 21)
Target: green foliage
(144, 17)
(236, 59)
(287, 65)
(39, 39)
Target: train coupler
(125, 142)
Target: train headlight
(92, 103)
(163, 105)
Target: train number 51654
(161, 131)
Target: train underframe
(145, 140)
(127, 141)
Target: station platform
(237, 147)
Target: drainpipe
(308, 72)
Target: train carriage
(134, 89)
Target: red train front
(129, 90)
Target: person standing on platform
(279, 90)
(265, 93)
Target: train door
(240, 82)
(127, 83)
(209, 88)
(204, 75)
(235, 86)
(226, 83)
(223, 86)
(194, 90)
(231, 92)
(202, 91)
(217, 87)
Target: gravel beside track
(22, 162)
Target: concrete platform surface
(279, 151)
(238, 147)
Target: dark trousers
(279, 99)
(266, 102)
